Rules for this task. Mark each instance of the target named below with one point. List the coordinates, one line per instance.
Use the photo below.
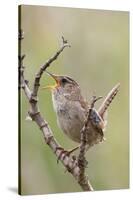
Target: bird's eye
(64, 80)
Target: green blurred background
(97, 60)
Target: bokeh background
(98, 59)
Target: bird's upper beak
(57, 80)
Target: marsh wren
(71, 109)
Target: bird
(72, 109)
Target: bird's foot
(65, 152)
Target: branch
(82, 163)
(69, 162)
(95, 122)
(46, 65)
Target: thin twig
(82, 179)
(46, 65)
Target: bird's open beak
(56, 78)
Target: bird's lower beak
(51, 87)
(56, 78)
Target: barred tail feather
(108, 100)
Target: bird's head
(64, 84)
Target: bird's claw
(65, 152)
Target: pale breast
(70, 117)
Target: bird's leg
(65, 152)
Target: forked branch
(69, 162)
